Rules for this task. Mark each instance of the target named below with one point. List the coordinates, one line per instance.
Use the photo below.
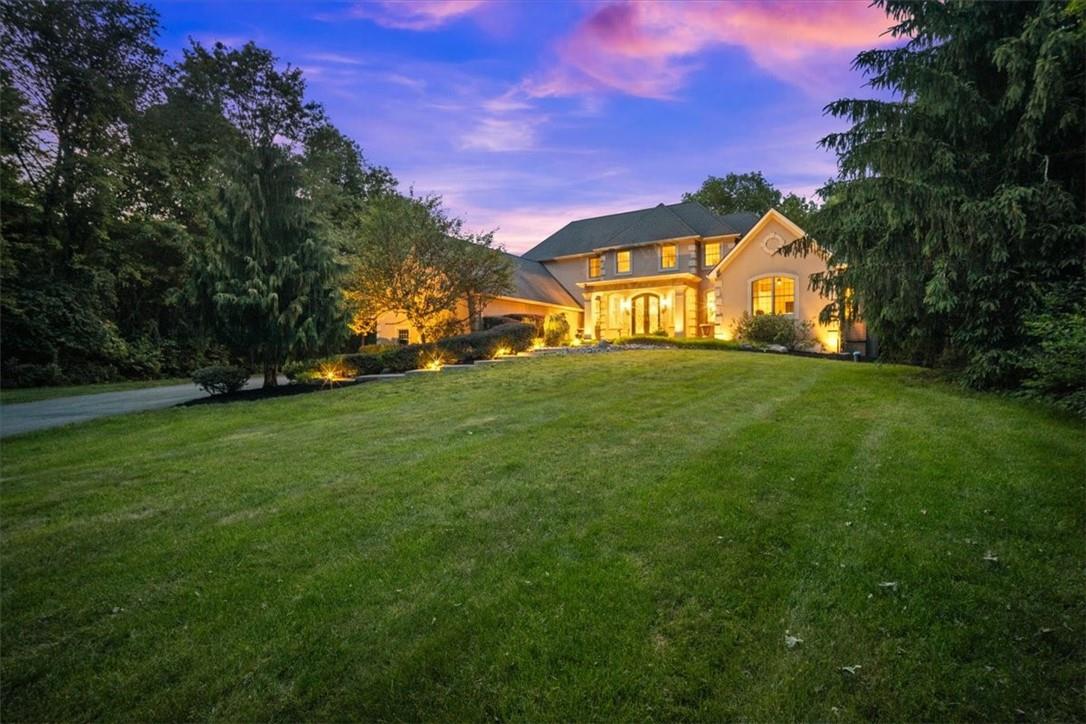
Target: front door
(645, 314)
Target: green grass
(612, 536)
(34, 394)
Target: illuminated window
(712, 252)
(669, 256)
(595, 267)
(710, 306)
(773, 295)
(622, 262)
(403, 336)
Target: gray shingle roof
(629, 228)
(531, 280)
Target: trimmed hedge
(461, 349)
(685, 342)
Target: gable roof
(532, 282)
(629, 228)
(752, 233)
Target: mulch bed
(266, 394)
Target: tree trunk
(271, 375)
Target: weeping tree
(267, 280)
(958, 209)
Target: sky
(527, 115)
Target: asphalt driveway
(18, 418)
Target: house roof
(532, 281)
(630, 228)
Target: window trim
(795, 292)
(598, 258)
(704, 255)
(660, 257)
(618, 270)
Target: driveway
(23, 417)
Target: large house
(678, 269)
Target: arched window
(773, 295)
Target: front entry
(645, 314)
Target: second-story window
(622, 262)
(712, 252)
(669, 256)
(595, 267)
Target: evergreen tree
(958, 207)
(267, 280)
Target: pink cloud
(414, 15)
(648, 48)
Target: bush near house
(461, 349)
(556, 330)
(774, 329)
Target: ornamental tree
(411, 259)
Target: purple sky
(527, 115)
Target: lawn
(33, 394)
(616, 536)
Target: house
(678, 269)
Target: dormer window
(595, 267)
(669, 256)
(712, 253)
(622, 262)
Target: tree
(749, 192)
(413, 259)
(339, 180)
(267, 280)
(958, 205)
(76, 76)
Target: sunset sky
(527, 115)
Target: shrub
(1056, 366)
(774, 329)
(555, 330)
(681, 342)
(463, 348)
(659, 333)
(221, 379)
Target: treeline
(158, 217)
(122, 177)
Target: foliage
(412, 259)
(1055, 362)
(555, 330)
(960, 200)
(609, 495)
(749, 192)
(220, 379)
(681, 342)
(107, 159)
(461, 349)
(267, 278)
(779, 329)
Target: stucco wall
(733, 284)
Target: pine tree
(958, 206)
(267, 280)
